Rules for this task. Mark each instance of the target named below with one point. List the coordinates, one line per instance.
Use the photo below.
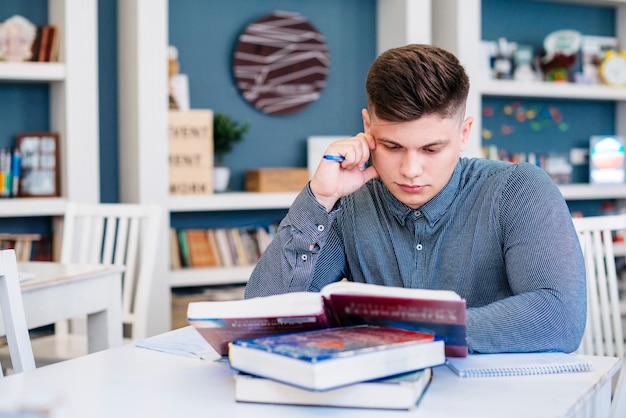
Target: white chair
(603, 334)
(115, 233)
(12, 308)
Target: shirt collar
(432, 210)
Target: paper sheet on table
(183, 341)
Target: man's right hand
(335, 179)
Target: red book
(440, 312)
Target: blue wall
(206, 32)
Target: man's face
(416, 159)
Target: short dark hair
(412, 81)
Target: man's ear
(466, 128)
(366, 120)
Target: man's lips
(408, 188)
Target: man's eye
(391, 146)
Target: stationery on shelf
(334, 357)
(402, 391)
(441, 312)
(517, 364)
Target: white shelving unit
(73, 107)
(457, 27)
(143, 145)
(223, 202)
(143, 106)
(232, 201)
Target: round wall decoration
(281, 63)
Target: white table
(62, 291)
(133, 382)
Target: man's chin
(412, 200)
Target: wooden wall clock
(281, 63)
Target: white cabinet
(73, 107)
(457, 27)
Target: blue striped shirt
(498, 234)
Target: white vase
(221, 176)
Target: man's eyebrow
(436, 142)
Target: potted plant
(226, 133)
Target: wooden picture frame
(39, 174)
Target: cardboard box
(276, 179)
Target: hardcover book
(334, 357)
(201, 253)
(402, 391)
(441, 312)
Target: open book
(440, 312)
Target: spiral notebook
(517, 364)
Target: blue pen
(338, 158)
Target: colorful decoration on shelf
(613, 68)
(17, 34)
(538, 116)
(560, 53)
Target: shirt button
(320, 228)
(419, 247)
(304, 257)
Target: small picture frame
(39, 174)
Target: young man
(498, 234)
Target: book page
(287, 304)
(354, 288)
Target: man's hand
(335, 179)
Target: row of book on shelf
(28, 247)
(350, 345)
(219, 247)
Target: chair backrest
(120, 234)
(13, 315)
(603, 334)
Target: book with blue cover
(334, 357)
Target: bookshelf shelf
(32, 72)
(231, 201)
(553, 90)
(25, 207)
(196, 276)
(592, 192)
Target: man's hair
(412, 81)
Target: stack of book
(335, 347)
(360, 366)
